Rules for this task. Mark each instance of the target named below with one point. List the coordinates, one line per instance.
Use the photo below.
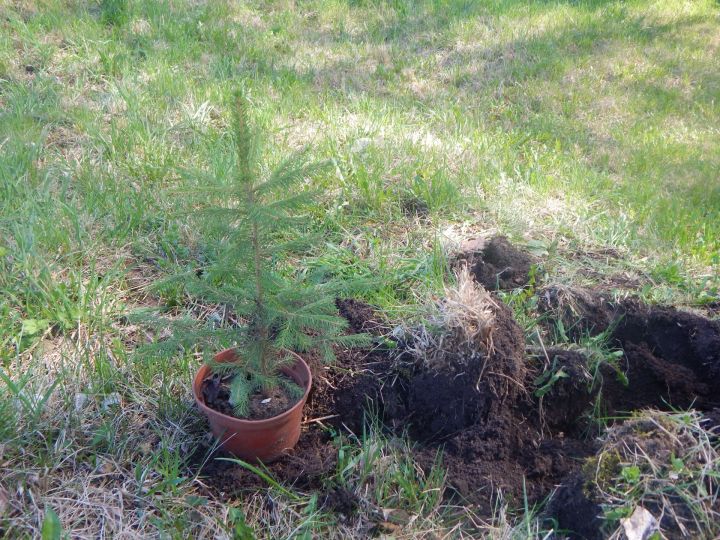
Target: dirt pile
(679, 350)
(671, 357)
(574, 511)
(506, 421)
(563, 401)
(360, 316)
(493, 432)
(657, 461)
(582, 312)
(527, 445)
(497, 264)
(466, 391)
(671, 360)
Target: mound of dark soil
(493, 433)
(441, 403)
(573, 510)
(563, 405)
(496, 434)
(510, 455)
(528, 445)
(672, 352)
(672, 358)
(582, 312)
(497, 264)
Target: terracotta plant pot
(256, 440)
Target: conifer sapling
(258, 212)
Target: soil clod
(467, 391)
(498, 265)
(564, 400)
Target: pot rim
(200, 376)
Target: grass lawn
(586, 131)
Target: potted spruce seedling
(253, 394)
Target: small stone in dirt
(110, 400)
(265, 401)
(215, 319)
(640, 525)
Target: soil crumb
(497, 265)
(341, 500)
(360, 316)
(484, 417)
(498, 428)
(573, 510)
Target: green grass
(576, 126)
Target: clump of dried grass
(666, 463)
(460, 329)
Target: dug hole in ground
(603, 445)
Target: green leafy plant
(256, 212)
(548, 378)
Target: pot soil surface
(496, 435)
(263, 405)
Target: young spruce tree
(258, 213)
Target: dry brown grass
(460, 327)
